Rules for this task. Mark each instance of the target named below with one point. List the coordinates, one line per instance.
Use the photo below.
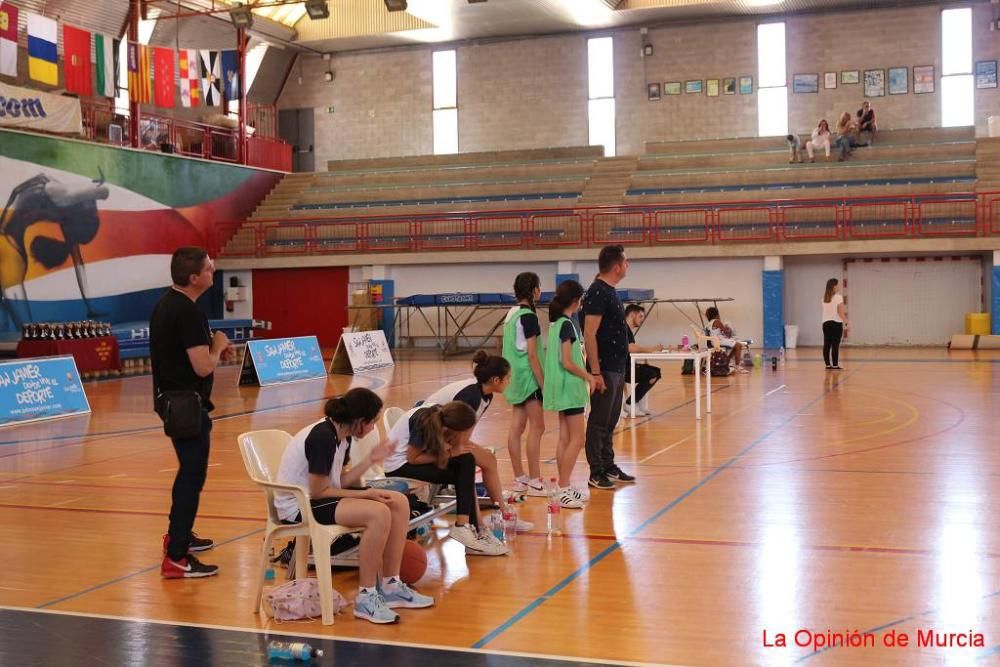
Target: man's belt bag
(180, 411)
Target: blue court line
(985, 653)
(133, 574)
(537, 602)
(886, 626)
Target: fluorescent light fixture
(317, 9)
(241, 16)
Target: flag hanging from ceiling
(106, 59)
(42, 58)
(164, 76)
(231, 74)
(76, 60)
(8, 39)
(138, 73)
(190, 77)
(211, 78)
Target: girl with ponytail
(316, 459)
(431, 444)
(522, 348)
(569, 385)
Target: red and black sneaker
(188, 567)
(195, 545)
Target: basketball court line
(573, 576)
(285, 631)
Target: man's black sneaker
(188, 567)
(196, 543)
(600, 482)
(616, 474)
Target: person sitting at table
(646, 374)
(724, 332)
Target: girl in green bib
(568, 385)
(522, 348)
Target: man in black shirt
(605, 336)
(184, 354)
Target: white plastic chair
(262, 452)
(360, 449)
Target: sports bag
(298, 600)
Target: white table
(696, 356)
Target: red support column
(132, 35)
(241, 46)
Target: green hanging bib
(522, 380)
(563, 390)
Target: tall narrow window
(772, 89)
(958, 94)
(445, 114)
(601, 104)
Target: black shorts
(535, 396)
(571, 412)
(324, 510)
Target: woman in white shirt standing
(835, 325)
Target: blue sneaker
(398, 595)
(372, 607)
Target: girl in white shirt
(820, 139)
(315, 459)
(835, 325)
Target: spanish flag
(139, 84)
(42, 59)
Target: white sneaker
(536, 488)
(581, 494)
(520, 484)
(464, 534)
(642, 412)
(524, 526)
(486, 544)
(568, 500)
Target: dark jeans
(832, 333)
(646, 375)
(461, 472)
(605, 409)
(192, 455)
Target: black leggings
(832, 333)
(461, 472)
(646, 375)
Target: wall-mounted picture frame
(923, 79)
(653, 92)
(874, 83)
(712, 87)
(899, 80)
(849, 77)
(986, 74)
(829, 80)
(729, 86)
(746, 85)
(672, 88)
(805, 83)
(693, 87)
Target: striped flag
(42, 59)
(76, 60)
(8, 39)
(211, 78)
(190, 78)
(164, 77)
(106, 57)
(139, 85)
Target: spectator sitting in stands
(867, 122)
(847, 135)
(724, 332)
(820, 139)
(794, 148)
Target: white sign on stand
(361, 351)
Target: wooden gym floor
(853, 501)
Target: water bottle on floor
(497, 524)
(553, 514)
(292, 651)
(510, 519)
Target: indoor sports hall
(499, 332)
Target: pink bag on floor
(298, 600)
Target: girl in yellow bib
(522, 348)
(568, 385)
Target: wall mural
(86, 231)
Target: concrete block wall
(532, 92)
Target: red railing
(192, 138)
(773, 221)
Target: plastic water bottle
(781, 356)
(423, 533)
(685, 343)
(553, 514)
(497, 524)
(510, 519)
(292, 651)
